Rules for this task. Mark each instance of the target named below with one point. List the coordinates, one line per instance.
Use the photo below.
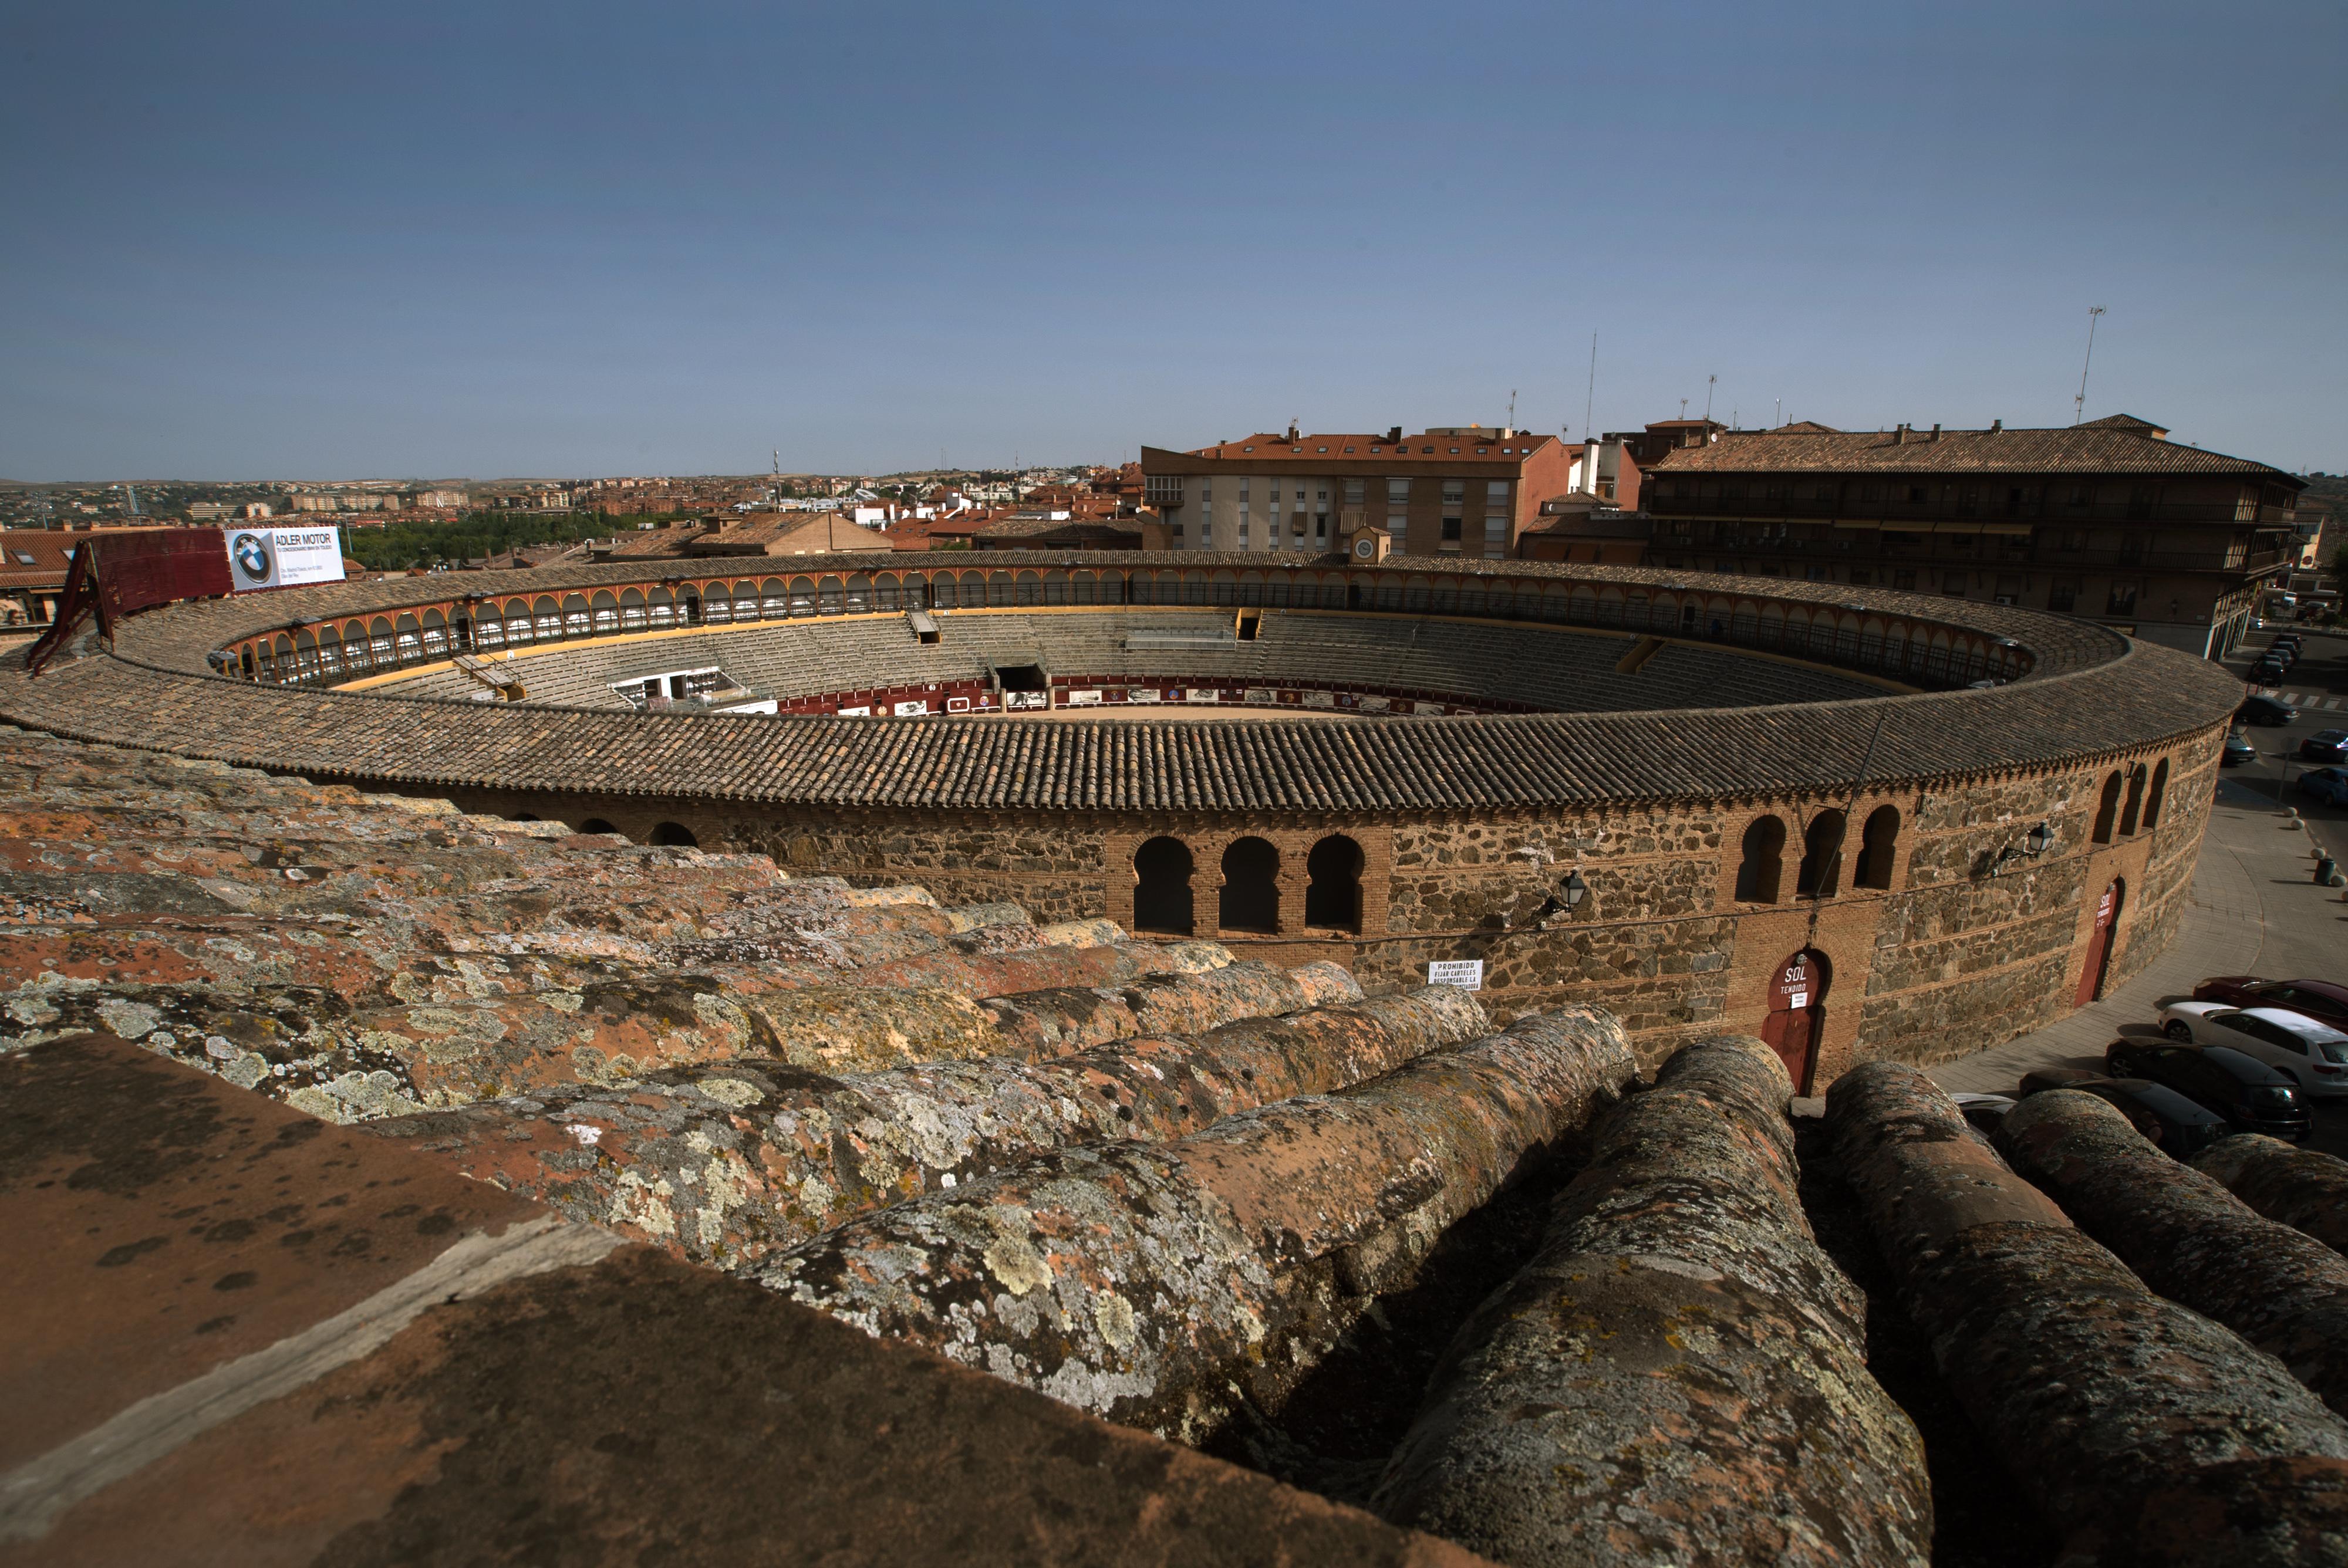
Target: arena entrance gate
(2099, 945)
(1797, 1015)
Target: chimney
(1394, 436)
(1899, 435)
(1996, 425)
(1936, 433)
(1291, 434)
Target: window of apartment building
(2139, 504)
(1496, 537)
(1451, 530)
(1496, 495)
(1454, 492)
(2122, 599)
(2079, 497)
(1860, 577)
(2061, 595)
(2008, 590)
(1960, 544)
(1397, 493)
(1953, 584)
(1904, 579)
(1916, 494)
(1824, 492)
(1353, 492)
(1321, 530)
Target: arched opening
(2134, 807)
(1332, 898)
(674, 833)
(1161, 888)
(1820, 875)
(1251, 892)
(2099, 960)
(1763, 855)
(597, 824)
(2156, 795)
(1797, 1014)
(1878, 842)
(2107, 810)
(523, 816)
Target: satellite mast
(1708, 398)
(1590, 397)
(1512, 409)
(2079, 403)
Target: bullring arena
(1782, 808)
(967, 1064)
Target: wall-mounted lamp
(2036, 842)
(1574, 891)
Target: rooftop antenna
(778, 461)
(1512, 409)
(1683, 409)
(1590, 398)
(1708, 398)
(2079, 403)
(1781, 411)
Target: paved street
(2254, 910)
(2318, 687)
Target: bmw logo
(252, 555)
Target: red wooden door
(1796, 994)
(2099, 947)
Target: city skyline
(268, 243)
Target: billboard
(283, 558)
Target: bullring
(1801, 810)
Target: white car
(2315, 1055)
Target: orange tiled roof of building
(1427, 444)
(2118, 445)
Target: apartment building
(2109, 520)
(1449, 490)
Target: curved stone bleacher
(1564, 671)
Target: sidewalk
(2252, 910)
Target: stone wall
(1974, 940)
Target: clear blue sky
(322, 239)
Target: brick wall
(1960, 952)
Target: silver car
(2315, 1055)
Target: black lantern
(2041, 837)
(1574, 890)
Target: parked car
(2250, 1096)
(2287, 640)
(2312, 1055)
(2329, 785)
(2268, 672)
(2263, 710)
(2175, 1124)
(2325, 746)
(2238, 750)
(1983, 1111)
(2320, 1000)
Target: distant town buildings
(1450, 489)
(2107, 520)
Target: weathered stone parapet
(728, 1163)
(2146, 1433)
(1161, 1284)
(2301, 1188)
(2187, 1237)
(441, 1030)
(1679, 1375)
(1057, 1021)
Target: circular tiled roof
(2088, 692)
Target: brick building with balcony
(1469, 490)
(2108, 520)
